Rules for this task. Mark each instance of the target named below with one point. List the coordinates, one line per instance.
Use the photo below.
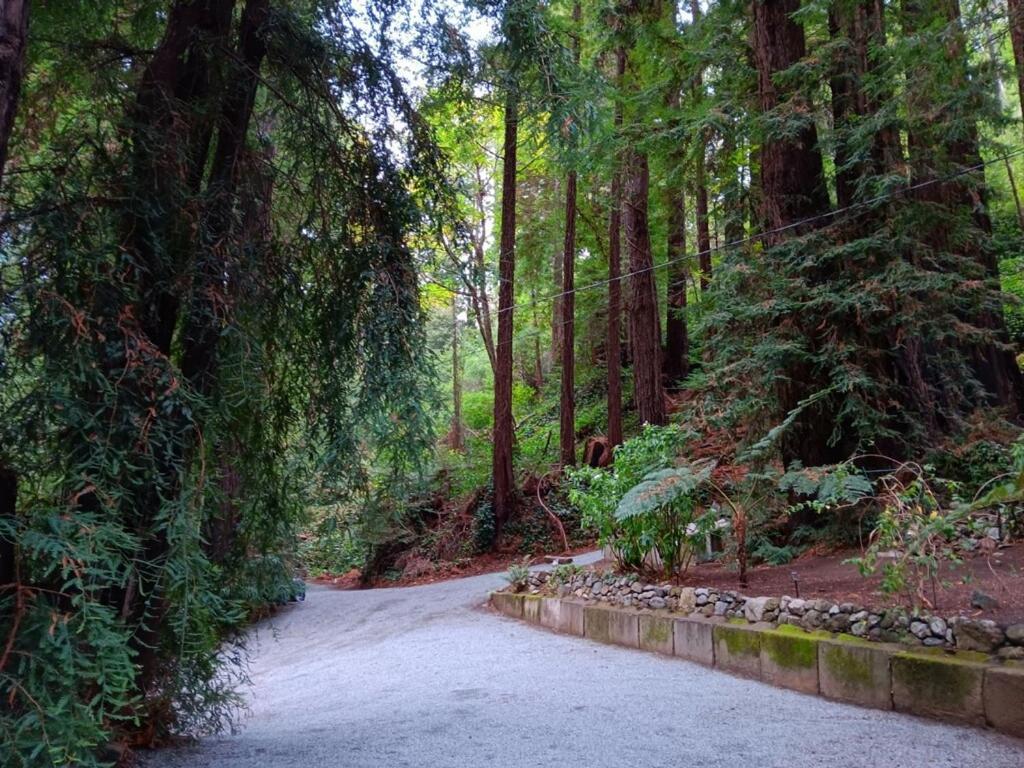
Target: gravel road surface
(427, 676)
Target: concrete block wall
(959, 687)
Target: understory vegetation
(384, 291)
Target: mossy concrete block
(1004, 699)
(597, 623)
(570, 618)
(856, 672)
(550, 612)
(789, 659)
(624, 628)
(531, 608)
(508, 603)
(694, 640)
(939, 685)
(656, 633)
(738, 649)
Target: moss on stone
(930, 677)
(657, 631)
(597, 624)
(789, 650)
(740, 642)
(848, 666)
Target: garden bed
(999, 576)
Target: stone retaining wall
(893, 625)
(959, 686)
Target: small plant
(561, 575)
(518, 575)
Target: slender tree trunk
(504, 480)
(676, 339)
(567, 431)
(457, 440)
(700, 182)
(567, 409)
(844, 85)
(614, 341)
(478, 292)
(1015, 14)
(8, 504)
(13, 42)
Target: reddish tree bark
(676, 339)
(1015, 14)
(645, 332)
(502, 470)
(13, 42)
(792, 189)
(567, 409)
(614, 340)
(792, 175)
(993, 363)
(700, 182)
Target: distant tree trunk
(567, 408)
(13, 42)
(478, 291)
(456, 440)
(700, 182)
(8, 502)
(676, 339)
(567, 431)
(557, 314)
(1015, 14)
(504, 480)
(614, 341)
(645, 334)
(844, 85)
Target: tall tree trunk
(13, 42)
(677, 347)
(844, 85)
(614, 340)
(792, 174)
(456, 439)
(700, 181)
(478, 293)
(993, 363)
(1015, 14)
(676, 339)
(645, 334)
(567, 409)
(8, 503)
(792, 189)
(567, 431)
(504, 480)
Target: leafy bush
(642, 506)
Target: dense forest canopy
(281, 279)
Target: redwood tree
(502, 470)
(567, 409)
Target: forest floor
(489, 562)
(999, 576)
(425, 676)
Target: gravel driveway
(427, 676)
